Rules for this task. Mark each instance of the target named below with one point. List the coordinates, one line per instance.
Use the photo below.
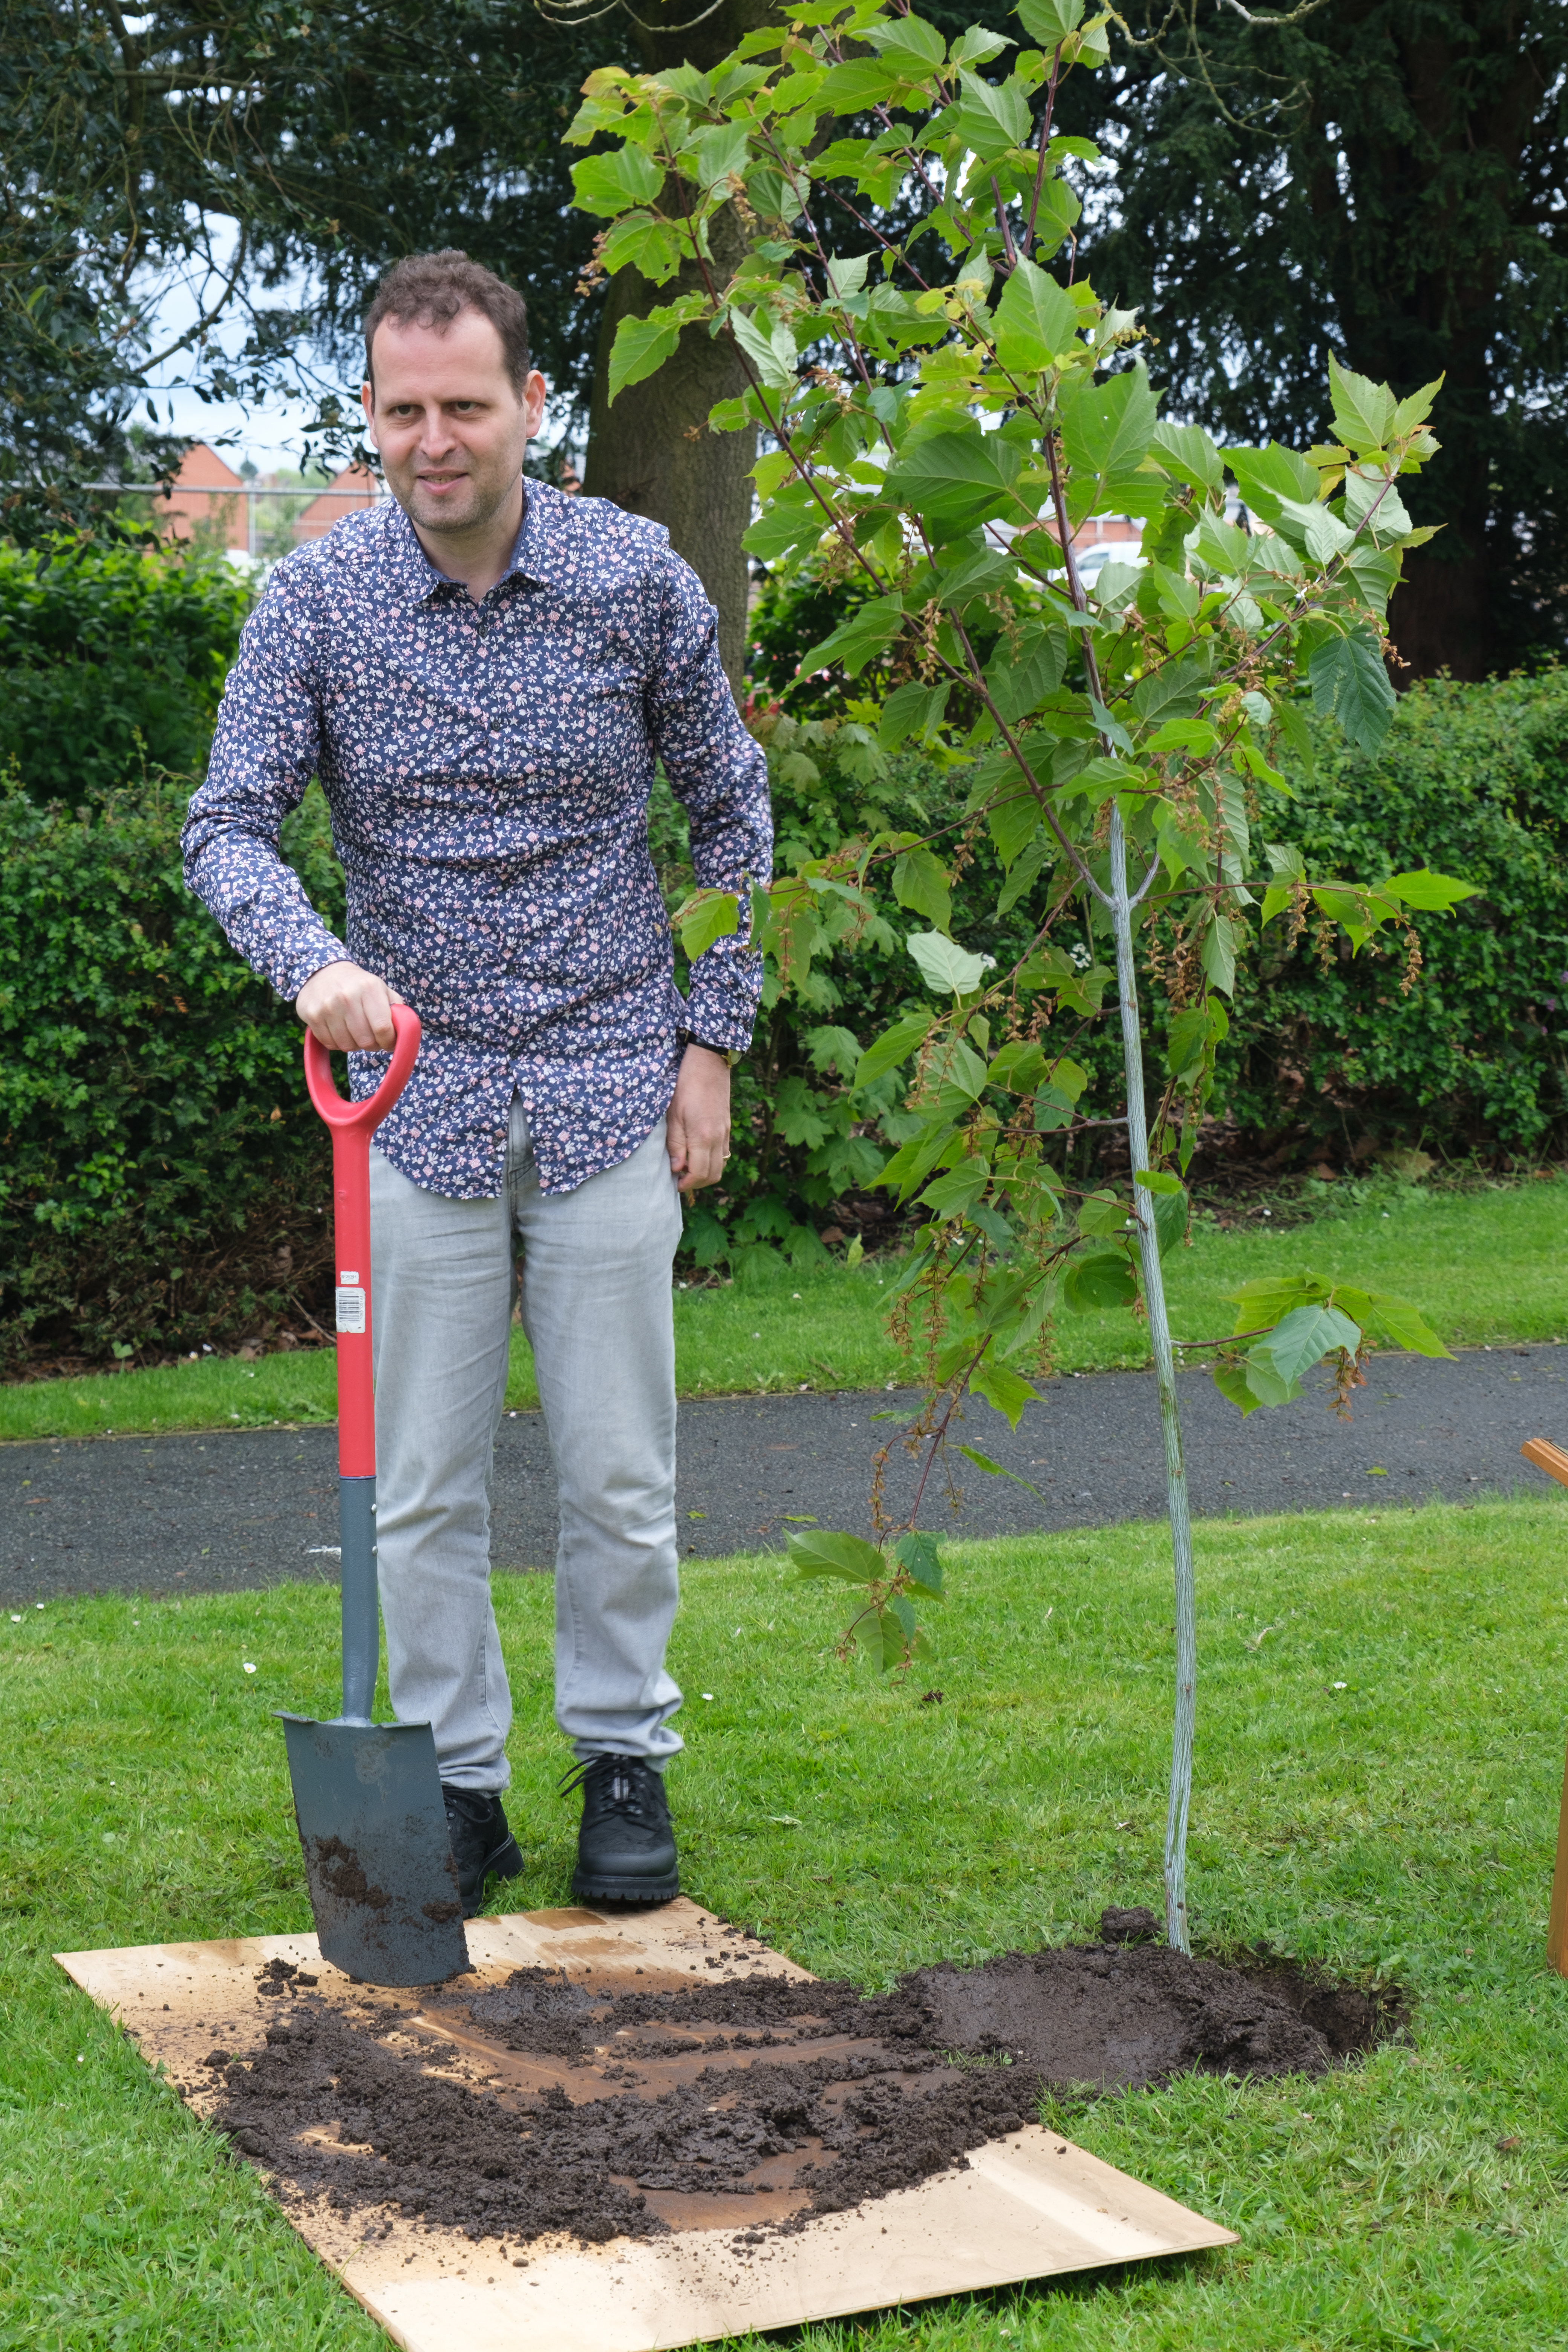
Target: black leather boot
(482, 1845)
(625, 1846)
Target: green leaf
(1417, 408)
(959, 1066)
(997, 1469)
(1402, 1325)
(709, 914)
(920, 883)
(1188, 1041)
(1363, 411)
(613, 183)
(1350, 683)
(1035, 318)
(911, 710)
(1019, 1067)
(946, 966)
(1106, 427)
(992, 117)
(846, 275)
(1170, 1221)
(824, 1552)
(1194, 735)
(909, 43)
(800, 1113)
(642, 345)
(1267, 477)
(1305, 1337)
(870, 627)
(917, 1555)
(1186, 452)
(1371, 503)
(1272, 1297)
(1265, 1383)
(1049, 21)
(1013, 824)
(1427, 893)
(1005, 1389)
(1102, 1212)
(953, 1194)
(718, 155)
(637, 241)
(1220, 546)
(1100, 1281)
(851, 89)
(774, 362)
(1020, 681)
(795, 518)
(893, 1046)
(957, 479)
(978, 47)
(1025, 873)
(877, 1635)
(1217, 952)
(914, 1161)
(1318, 529)
(1232, 1382)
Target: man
(482, 672)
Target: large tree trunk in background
(1420, 281)
(1440, 618)
(652, 452)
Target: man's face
(448, 420)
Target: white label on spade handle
(351, 1307)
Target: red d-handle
(344, 1116)
(353, 1125)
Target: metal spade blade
(378, 1860)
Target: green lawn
(1486, 1266)
(1398, 1828)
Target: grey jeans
(595, 1296)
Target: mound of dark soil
(545, 2104)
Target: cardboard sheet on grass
(1024, 2205)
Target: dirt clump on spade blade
(557, 2107)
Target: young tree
(942, 439)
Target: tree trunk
(652, 453)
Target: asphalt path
(219, 1512)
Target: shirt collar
(535, 557)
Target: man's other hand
(350, 1011)
(697, 1131)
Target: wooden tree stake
(1554, 1462)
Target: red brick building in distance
(323, 512)
(190, 502)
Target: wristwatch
(725, 1052)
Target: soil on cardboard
(808, 2089)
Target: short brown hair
(431, 289)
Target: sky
(271, 434)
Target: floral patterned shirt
(487, 767)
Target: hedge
(114, 660)
(163, 1177)
(1472, 781)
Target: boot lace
(618, 1784)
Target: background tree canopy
(1379, 177)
